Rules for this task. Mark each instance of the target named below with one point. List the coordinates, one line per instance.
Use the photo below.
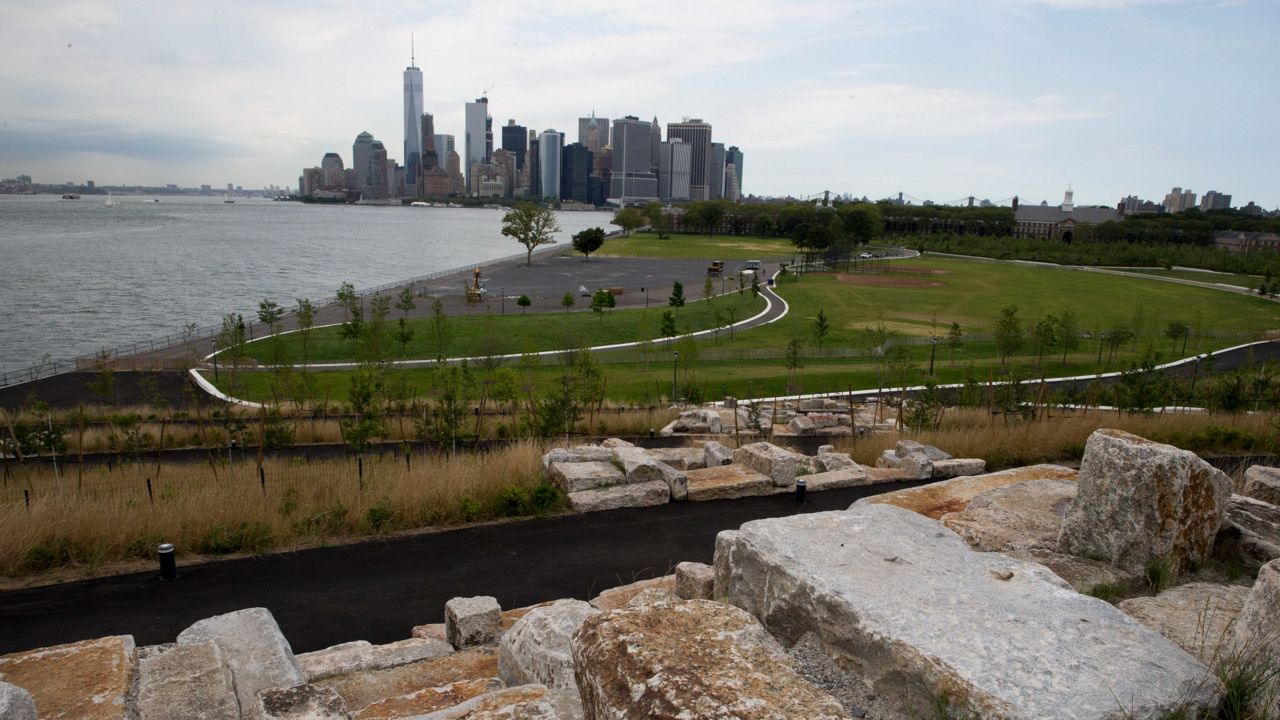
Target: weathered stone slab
(677, 481)
(617, 597)
(573, 477)
(301, 702)
(714, 454)
(427, 700)
(16, 703)
(354, 658)
(956, 467)
(1083, 574)
(85, 680)
(906, 448)
(837, 431)
(476, 666)
(1251, 533)
(582, 453)
(537, 648)
(642, 494)
(430, 631)
(1262, 483)
(851, 476)
(877, 475)
(1018, 641)
(801, 425)
(1199, 617)
(636, 463)
(1142, 501)
(1021, 515)
(254, 649)
(727, 481)
(186, 682)
(472, 621)
(615, 443)
(1257, 635)
(690, 659)
(682, 458)
(527, 702)
(651, 596)
(779, 464)
(695, 581)
(937, 499)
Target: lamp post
(675, 360)
(645, 290)
(215, 361)
(932, 350)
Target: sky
(938, 100)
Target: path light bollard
(652, 433)
(801, 486)
(168, 563)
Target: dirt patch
(887, 280)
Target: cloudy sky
(939, 100)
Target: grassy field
(911, 305)
(1248, 281)
(699, 247)
(481, 334)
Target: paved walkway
(378, 590)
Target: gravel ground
(816, 666)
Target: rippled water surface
(77, 276)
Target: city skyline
(990, 99)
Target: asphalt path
(379, 590)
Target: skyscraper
(444, 146)
(655, 141)
(412, 120)
(717, 171)
(379, 186)
(362, 160)
(631, 178)
(698, 135)
(550, 144)
(535, 167)
(593, 132)
(477, 113)
(515, 138)
(733, 156)
(575, 173)
(674, 159)
(430, 156)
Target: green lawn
(481, 334)
(1248, 281)
(698, 247)
(970, 293)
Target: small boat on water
(226, 198)
(71, 196)
(111, 202)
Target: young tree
(629, 219)
(668, 324)
(380, 308)
(821, 328)
(439, 329)
(708, 288)
(567, 301)
(405, 304)
(1042, 337)
(731, 315)
(524, 302)
(1008, 334)
(531, 225)
(269, 314)
(795, 361)
(1178, 329)
(755, 284)
(352, 311)
(955, 338)
(1068, 332)
(600, 301)
(588, 241)
(677, 295)
(306, 321)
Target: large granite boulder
(1019, 516)
(617, 597)
(582, 453)
(1258, 625)
(681, 458)
(427, 700)
(642, 494)
(573, 477)
(1141, 502)
(186, 682)
(1251, 533)
(851, 476)
(537, 648)
(912, 610)
(472, 621)
(778, 464)
(254, 649)
(714, 455)
(721, 482)
(956, 467)
(526, 702)
(16, 703)
(1090, 577)
(937, 499)
(615, 443)
(398, 691)
(695, 581)
(832, 460)
(1199, 617)
(87, 680)
(1262, 483)
(906, 448)
(301, 702)
(689, 659)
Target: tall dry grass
(225, 507)
(975, 433)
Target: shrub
(511, 501)
(246, 537)
(1159, 574)
(379, 517)
(329, 521)
(53, 553)
(545, 498)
